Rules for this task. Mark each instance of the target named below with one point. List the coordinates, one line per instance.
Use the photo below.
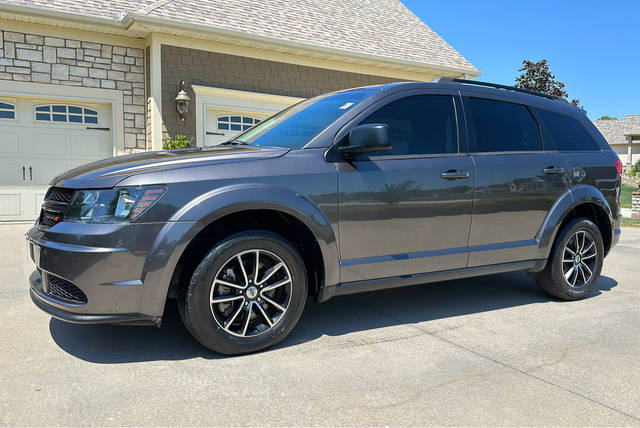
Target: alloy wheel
(579, 259)
(250, 293)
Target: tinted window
(564, 133)
(297, 125)
(421, 124)
(502, 127)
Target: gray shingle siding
(198, 67)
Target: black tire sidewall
(560, 285)
(196, 301)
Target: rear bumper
(616, 230)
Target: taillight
(619, 167)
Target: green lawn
(630, 222)
(625, 195)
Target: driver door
(407, 210)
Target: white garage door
(223, 125)
(41, 138)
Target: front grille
(54, 206)
(63, 290)
(60, 194)
(48, 218)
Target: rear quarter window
(564, 133)
(502, 127)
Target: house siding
(62, 61)
(219, 70)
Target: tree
(605, 117)
(536, 76)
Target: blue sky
(592, 46)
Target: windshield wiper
(235, 143)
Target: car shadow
(112, 344)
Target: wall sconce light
(182, 102)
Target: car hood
(109, 172)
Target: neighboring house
(623, 135)
(84, 80)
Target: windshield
(295, 126)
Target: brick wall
(244, 74)
(60, 61)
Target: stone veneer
(635, 204)
(60, 61)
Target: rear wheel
(575, 263)
(246, 294)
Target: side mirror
(369, 138)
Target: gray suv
(357, 190)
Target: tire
(230, 309)
(566, 276)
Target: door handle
(23, 172)
(30, 173)
(454, 174)
(553, 170)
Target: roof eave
(75, 20)
(143, 23)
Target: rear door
(517, 181)
(407, 211)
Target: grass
(630, 222)
(625, 195)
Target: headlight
(112, 205)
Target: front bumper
(105, 264)
(47, 304)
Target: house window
(7, 111)
(236, 123)
(66, 114)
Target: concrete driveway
(484, 351)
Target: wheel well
(283, 224)
(596, 214)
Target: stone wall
(244, 74)
(60, 61)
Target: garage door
(41, 138)
(223, 125)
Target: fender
(190, 220)
(570, 199)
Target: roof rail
(444, 79)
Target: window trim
(332, 154)
(83, 115)
(14, 110)
(255, 120)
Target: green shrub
(634, 171)
(177, 142)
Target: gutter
(336, 54)
(125, 26)
(100, 23)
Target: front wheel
(575, 262)
(247, 293)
